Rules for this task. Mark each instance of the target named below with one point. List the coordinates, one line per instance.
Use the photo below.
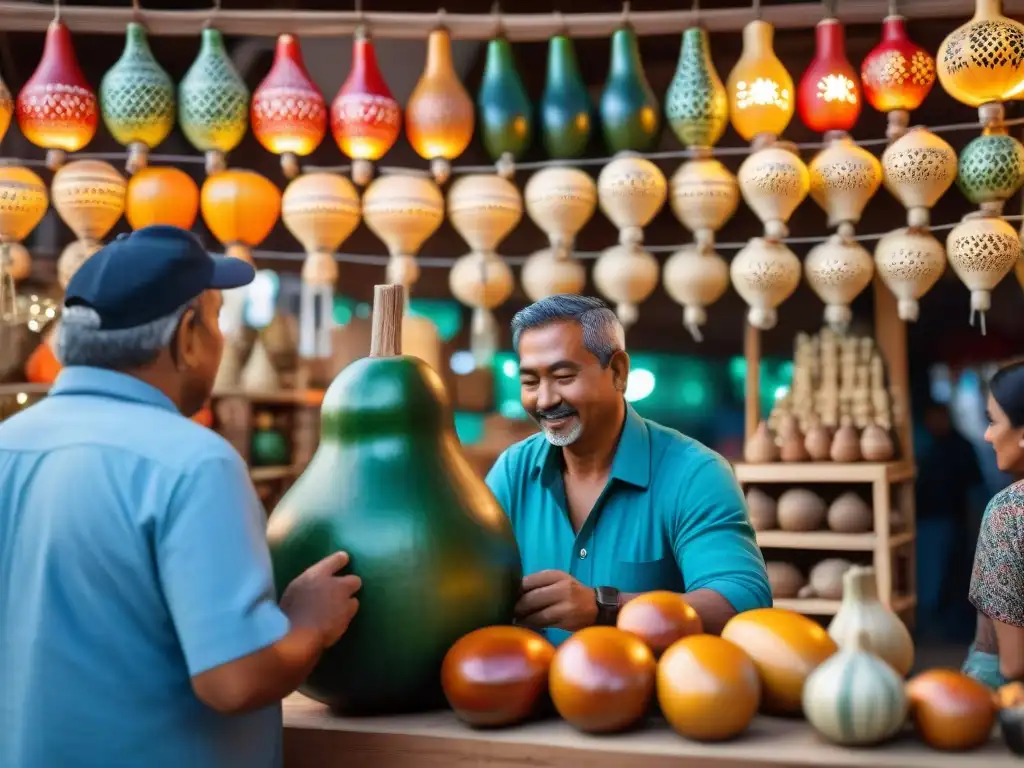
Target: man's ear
(185, 340)
(619, 365)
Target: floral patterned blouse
(997, 582)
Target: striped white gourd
(854, 698)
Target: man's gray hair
(81, 341)
(603, 334)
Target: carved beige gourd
(982, 251)
(843, 177)
(909, 263)
(764, 273)
(861, 612)
(89, 196)
(773, 182)
(547, 273)
(838, 270)
(631, 191)
(483, 209)
(695, 277)
(918, 169)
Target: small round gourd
(695, 278)
(626, 275)
(800, 510)
(659, 618)
(982, 251)
(990, 170)
(785, 579)
(631, 191)
(918, 169)
(950, 710)
(704, 195)
(547, 273)
(838, 271)
(560, 201)
(844, 176)
(763, 510)
(764, 273)
(773, 182)
(909, 262)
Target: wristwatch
(607, 605)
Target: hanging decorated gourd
(760, 89)
(631, 191)
(844, 177)
(838, 270)
(439, 116)
(288, 112)
(560, 201)
(504, 108)
(365, 118)
(23, 203)
(161, 195)
(696, 105)
(565, 106)
(828, 96)
(897, 75)
(991, 169)
(57, 107)
(764, 273)
(909, 261)
(6, 108)
(918, 169)
(483, 209)
(982, 250)
(982, 62)
(773, 182)
(213, 102)
(630, 113)
(320, 210)
(137, 99)
(89, 196)
(240, 209)
(704, 196)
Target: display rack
(891, 542)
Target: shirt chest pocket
(649, 575)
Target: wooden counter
(313, 738)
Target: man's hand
(321, 600)
(556, 599)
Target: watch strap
(607, 605)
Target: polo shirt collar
(632, 462)
(99, 382)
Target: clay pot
(760, 447)
(801, 510)
(825, 580)
(950, 710)
(708, 688)
(762, 509)
(659, 619)
(846, 444)
(496, 676)
(875, 444)
(818, 443)
(602, 679)
(786, 647)
(785, 579)
(849, 513)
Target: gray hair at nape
(81, 341)
(603, 334)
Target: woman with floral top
(997, 583)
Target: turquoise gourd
(630, 112)
(390, 485)
(565, 106)
(503, 106)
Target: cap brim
(229, 272)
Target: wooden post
(752, 402)
(388, 309)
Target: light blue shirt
(672, 517)
(132, 557)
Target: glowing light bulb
(759, 87)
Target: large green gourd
(565, 107)
(630, 113)
(503, 106)
(696, 105)
(389, 484)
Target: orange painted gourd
(240, 208)
(708, 688)
(950, 710)
(786, 647)
(602, 679)
(659, 619)
(161, 195)
(497, 676)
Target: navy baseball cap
(148, 274)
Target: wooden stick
(386, 331)
(21, 16)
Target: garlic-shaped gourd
(844, 177)
(773, 182)
(838, 270)
(854, 698)
(631, 191)
(483, 209)
(982, 251)
(764, 273)
(909, 262)
(862, 614)
(704, 196)
(918, 169)
(695, 277)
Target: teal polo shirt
(672, 517)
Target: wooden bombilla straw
(386, 328)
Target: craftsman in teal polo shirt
(606, 504)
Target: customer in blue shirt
(138, 621)
(606, 504)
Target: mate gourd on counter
(390, 485)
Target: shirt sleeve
(498, 481)
(714, 542)
(997, 581)
(214, 567)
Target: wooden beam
(31, 17)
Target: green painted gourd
(696, 105)
(991, 169)
(389, 484)
(565, 106)
(503, 106)
(630, 112)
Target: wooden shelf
(307, 397)
(828, 540)
(23, 388)
(263, 474)
(821, 607)
(824, 472)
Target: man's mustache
(560, 411)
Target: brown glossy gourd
(497, 676)
(708, 688)
(950, 710)
(659, 619)
(786, 647)
(602, 679)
